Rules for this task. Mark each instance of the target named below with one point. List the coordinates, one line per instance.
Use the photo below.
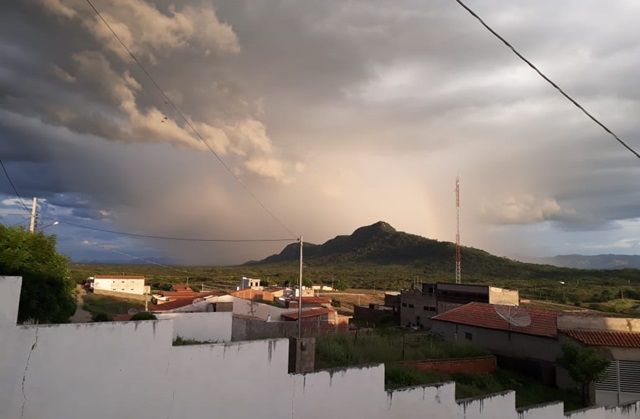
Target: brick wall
(475, 365)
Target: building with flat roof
(120, 284)
(418, 306)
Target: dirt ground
(81, 315)
(350, 297)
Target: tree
(47, 294)
(340, 285)
(584, 365)
(307, 282)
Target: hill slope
(380, 245)
(594, 261)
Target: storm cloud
(336, 114)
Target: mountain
(608, 261)
(378, 248)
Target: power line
(186, 120)
(547, 79)
(171, 238)
(13, 186)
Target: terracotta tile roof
(314, 312)
(543, 323)
(605, 338)
(119, 277)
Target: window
(410, 305)
(404, 304)
(468, 336)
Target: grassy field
(386, 345)
(110, 306)
(389, 346)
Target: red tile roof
(314, 312)
(543, 323)
(605, 338)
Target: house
(210, 301)
(377, 313)
(249, 283)
(618, 340)
(120, 285)
(418, 306)
(531, 349)
(321, 314)
(310, 302)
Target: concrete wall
(257, 309)
(251, 329)
(412, 307)
(504, 296)
(130, 370)
(501, 342)
(621, 324)
(123, 285)
(203, 327)
(117, 294)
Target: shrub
(143, 315)
(101, 317)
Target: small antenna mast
(458, 253)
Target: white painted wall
(203, 327)
(130, 370)
(123, 285)
(261, 310)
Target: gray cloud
(336, 114)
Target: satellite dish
(514, 315)
(132, 311)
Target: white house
(123, 284)
(251, 283)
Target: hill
(608, 261)
(380, 247)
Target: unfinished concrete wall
(130, 370)
(620, 324)
(203, 327)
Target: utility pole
(34, 216)
(458, 253)
(300, 294)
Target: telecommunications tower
(458, 256)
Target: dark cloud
(335, 113)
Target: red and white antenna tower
(458, 255)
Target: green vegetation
(101, 317)
(378, 257)
(180, 341)
(110, 306)
(584, 365)
(386, 345)
(528, 391)
(143, 315)
(47, 293)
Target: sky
(333, 114)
